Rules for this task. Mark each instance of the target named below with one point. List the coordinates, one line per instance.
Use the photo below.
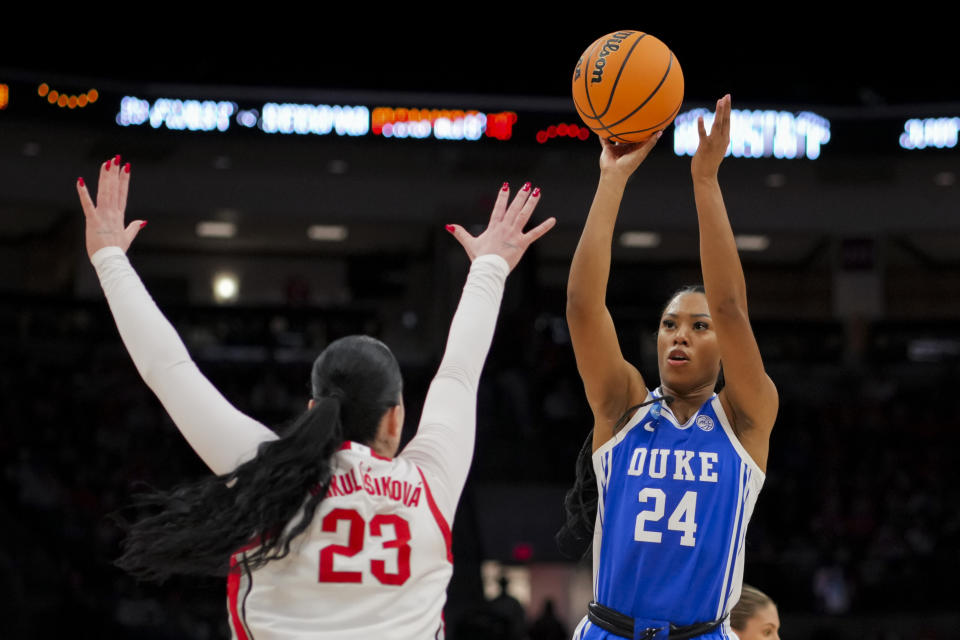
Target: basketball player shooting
(674, 472)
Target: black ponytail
(580, 502)
(272, 498)
(580, 506)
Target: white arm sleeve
(443, 446)
(222, 436)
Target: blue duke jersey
(674, 504)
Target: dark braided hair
(194, 528)
(580, 503)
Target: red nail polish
(505, 187)
(536, 192)
(451, 228)
(526, 186)
(116, 159)
(143, 224)
(108, 165)
(80, 181)
(126, 168)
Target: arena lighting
(213, 229)
(210, 115)
(326, 232)
(747, 242)
(69, 101)
(441, 124)
(945, 179)
(177, 115)
(248, 118)
(775, 180)
(4, 96)
(320, 119)
(563, 130)
(940, 133)
(758, 134)
(317, 119)
(640, 239)
(226, 288)
(500, 125)
(932, 349)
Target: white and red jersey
(374, 563)
(376, 560)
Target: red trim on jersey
(233, 593)
(347, 445)
(233, 590)
(438, 516)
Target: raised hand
(504, 234)
(713, 146)
(105, 226)
(623, 159)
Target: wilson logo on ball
(611, 45)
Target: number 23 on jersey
(380, 527)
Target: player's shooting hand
(713, 146)
(621, 160)
(504, 234)
(105, 226)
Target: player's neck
(688, 402)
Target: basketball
(627, 85)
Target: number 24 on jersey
(682, 519)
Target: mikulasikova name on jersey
(384, 486)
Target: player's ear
(311, 404)
(396, 415)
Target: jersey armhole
(617, 438)
(732, 437)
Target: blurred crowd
(857, 515)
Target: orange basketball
(627, 86)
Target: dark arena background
(297, 185)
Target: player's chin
(682, 378)
(679, 381)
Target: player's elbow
(580, 307)
(457, 375)
(729, 308)
(157, 370)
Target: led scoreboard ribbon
(758, 134)
(768, 133)
(939, 133)
(316, 119)
(442, 124)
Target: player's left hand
(105, 226)
(504, 234)
(713, 146)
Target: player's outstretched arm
(749, 397)
(222, 436)
(611, 383)
(443, 446)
